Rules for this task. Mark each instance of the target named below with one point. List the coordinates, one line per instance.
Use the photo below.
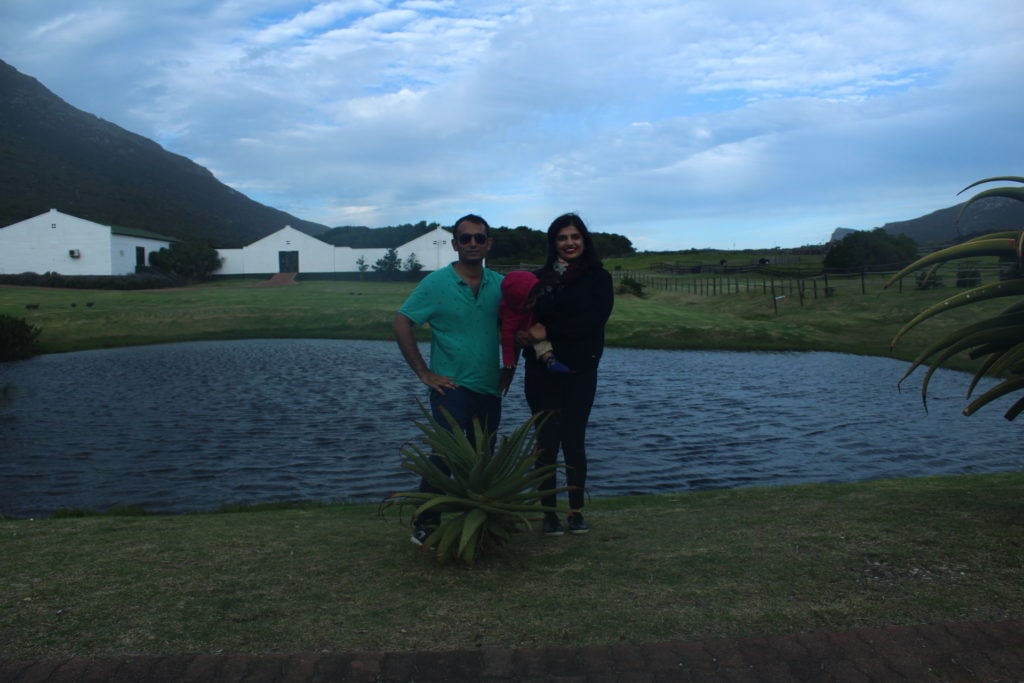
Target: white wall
(47, 242)
(122, 252)
(346, 258)
(433, 250)
(232, 262)
(263, 255)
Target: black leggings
(566, 401)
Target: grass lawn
(343, 578)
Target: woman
(572, 306)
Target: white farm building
(291, 251)
(55, 242)
(59, 243)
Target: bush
(493, 489)
(862, 249)
(629, 286)
(192, 261)
(141, 281)
(17, 338)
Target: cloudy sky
(727, 123)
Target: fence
(806, 288)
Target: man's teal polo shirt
(464, 337)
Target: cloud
(676, 124)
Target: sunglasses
(478, 237)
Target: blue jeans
(464, 406)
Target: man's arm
(403, 328)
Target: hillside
(56, 156)
(939, 227)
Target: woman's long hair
(590, 259)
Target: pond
(192, 427)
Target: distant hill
(54, 156)
(984, 216)
(360, 236)
(940, 228)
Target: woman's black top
(574, 307)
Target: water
(191, 427)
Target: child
(516, 314)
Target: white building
(58, 243)
(291, 251)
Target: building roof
(139, 232)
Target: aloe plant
(492, 492)
(998, 340)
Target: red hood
(516, 286)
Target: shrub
(629, 286)
(192, 261)
(18, 338)
(877, 247)
(491, 493)
(144, 280)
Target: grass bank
(341, 578)
(850, 321)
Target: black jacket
(574, 308)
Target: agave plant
(999, 340)
(493, 490)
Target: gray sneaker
(552, 525)
(576, 523)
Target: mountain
(54, 156)
(940, 227)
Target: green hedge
(149, 280)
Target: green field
(675, 313)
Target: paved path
(942, 652)
(278, 280)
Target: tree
(412, 264)
(998, 339)
(389, 263)
(362, 266)
(610, 245)
(871, 248)
(192, 261)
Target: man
(460, 303)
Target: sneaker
(557, 367)
(552, 525)
(576, 523)
(420, 534)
